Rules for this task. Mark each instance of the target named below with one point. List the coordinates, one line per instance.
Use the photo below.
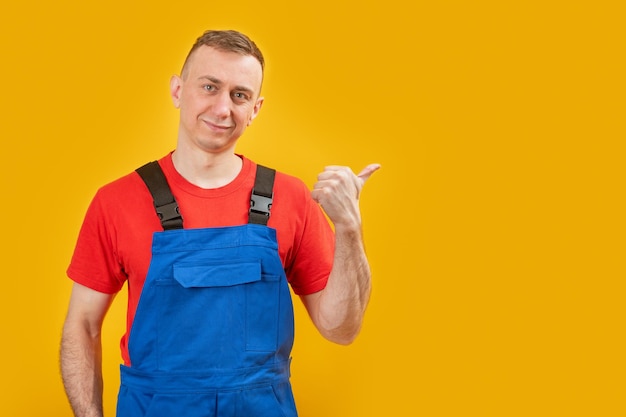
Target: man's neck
(207, 170)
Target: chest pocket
(232, 303)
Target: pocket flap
(218, 274)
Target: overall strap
(262, 195)
(164, 202)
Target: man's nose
(221, 105)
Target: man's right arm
(81, 350)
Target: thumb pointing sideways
(368, 171)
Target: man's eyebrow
(246, 90)
(210, 78)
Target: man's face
(218, 97)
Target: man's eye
(240, 96)
(208, 87)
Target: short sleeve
(313, 254)
(94, 263)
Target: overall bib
(214, 328)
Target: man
(207, 241)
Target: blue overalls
(213, 331)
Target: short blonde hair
(227, 41)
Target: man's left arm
(337, 311)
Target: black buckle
(168, 212)
(260, 204)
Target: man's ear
(176, 85)
(256, 109)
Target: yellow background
(495, 229)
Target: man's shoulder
(282, 179)
(124, 190)
(129, 181)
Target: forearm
(343, 302)
(81, 369)
(338, 309)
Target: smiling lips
(216, 127)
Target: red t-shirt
(115, 240)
